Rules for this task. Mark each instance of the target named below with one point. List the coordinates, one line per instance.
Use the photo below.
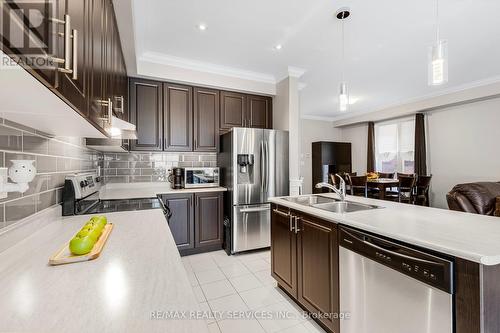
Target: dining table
(382, 184)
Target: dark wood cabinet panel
(97, 110)
(181, 222)
(206, 119)
(21, 42)
(73, 85)
(146, 112)
(232, 110)
(318, 275)
(208, 219)
(87, 62)
(178, 117)
(259, 112)
(283, 251)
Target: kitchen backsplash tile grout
(54, 157)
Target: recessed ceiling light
(202, 27)
(278, 47)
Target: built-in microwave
(201, 177)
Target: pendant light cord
(343, 53)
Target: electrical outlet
(3, 180)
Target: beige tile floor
(228, 285)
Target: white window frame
(399, 159)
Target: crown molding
(319, 118)
(168, 60)
(461, 94)
(295, 71)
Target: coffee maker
(176, 178)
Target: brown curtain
(420, 149)
(370, 158)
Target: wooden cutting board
(64, 255)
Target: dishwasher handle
(424, 266)
(368, 242)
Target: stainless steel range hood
(108, 145)
(121, 132)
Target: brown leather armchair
(476, 198)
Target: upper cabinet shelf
(78, 54)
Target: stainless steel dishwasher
(386, 287)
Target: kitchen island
(134, 286)
(305, 253)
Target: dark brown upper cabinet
(206, 119)
(208, 219)
(241, 110)
(20, 41)
(72, 84)
(178, 117)
(232, 110)
(146, 112)
(80, 40)
(259, 112)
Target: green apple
(81, 245)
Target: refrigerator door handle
(266, 148)
(262, 166)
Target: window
(394, 146)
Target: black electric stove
(81, 196)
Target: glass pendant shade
(438, 63)
(343, 97)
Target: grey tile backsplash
(54, 157)
(150, 167)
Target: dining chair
(358, 185)
(386, 175)
(422, 190)
(406, 188)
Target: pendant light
(438, 57)
(342, 14)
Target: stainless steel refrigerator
(254, 167)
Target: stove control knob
(82, 184)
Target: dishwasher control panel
(425, 267)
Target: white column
(286, 116)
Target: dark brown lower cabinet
(317, 268)
(181, 222)
(196, 221)
(208, 220)
(304, 262)
(283, 250)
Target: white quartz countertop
(146, 190)
(468, 236)
(139, 271)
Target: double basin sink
(330, 204)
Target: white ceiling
(386, 44)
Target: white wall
(463, 146)
(312, 131)
(357, 135)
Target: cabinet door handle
(67, 36)
(290, 221)
(296, 224)
(110, 111)
(279, 212)
(75, 54)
